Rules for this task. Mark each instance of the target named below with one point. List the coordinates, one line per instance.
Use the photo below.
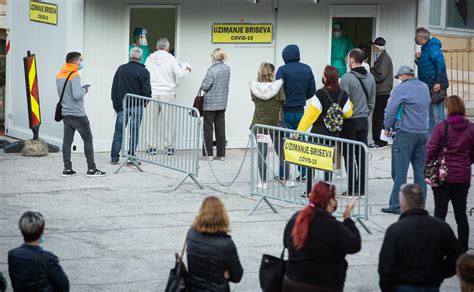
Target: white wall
(106, 43)
(50, 43)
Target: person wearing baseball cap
(382, 72)
(407, 115)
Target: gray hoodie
(362, 105)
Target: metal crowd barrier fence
(161, 133)
(272, 176)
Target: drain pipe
(275, 8)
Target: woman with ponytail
(317, 243)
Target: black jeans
(310, 174)
(82, 125)
(457, 194)
(214, 120)
(377, 118)
(278, 143)
(354, 156)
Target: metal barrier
(161, 133)
(460, 71)
(272, 177)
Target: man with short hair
(383, 75)
(30, 267)
(407, 116)
(74, 114)
(432, 71)
(360, 86)
(419, 251)
(132, 78)
(164, 69)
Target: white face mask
(337, 34)
(400, 81)
(142, 40)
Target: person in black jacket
(213, 261)
(135, 79)
(317, 244)
(3, 283)
(31, 268)
(418, 251)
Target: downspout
(275, 8)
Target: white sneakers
(262, 186)
(288, 184)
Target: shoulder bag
(272, 271)
(178, 277)
(436, 171)
(58, 115)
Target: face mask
(337, 34)
(142, 40)
(417, 42)
(400, 81)
(42, 240)
(80, 66)
(322, 81)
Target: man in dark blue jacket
(432, 71)
(299, 86)
(135, 79)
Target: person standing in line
(299, 86)
(383, 75)
(213, 260)
(130, 78)
(406, 115)
(32, 268)
(216, 88)
(418, 251)
(74, 114)
(432, 71)
(459, 156)
(164, 70)
(360, 86)
(318, 112)
(318, 244)
(268, 96)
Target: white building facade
(100, 29)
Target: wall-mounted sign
(242, 33)
(44, 12)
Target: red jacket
(460, 154)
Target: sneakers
(171, 152)
(290, 184)
(151, 151)
(377, 146)
(114, 162)
(220, 158)
(262, 186)
(95, 173)
(68, 173)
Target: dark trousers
(457, 194)
(354, 156)
(377, 118)
(293, 286)
(214, 120)
(278, 143)
(82, 125)
(310, 172)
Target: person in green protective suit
(139, 40)
(341, 46)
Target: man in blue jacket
(432, 71)
(299, 86)
(135, 79)
(407, 114)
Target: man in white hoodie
(164, 69)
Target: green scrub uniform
(341, 46)
(145, 49)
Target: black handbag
(438, 97)
(198, 103)
(272, 271)
(178, 277)
(58, 115)
(436, 171)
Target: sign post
(32, 93)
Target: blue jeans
(436, 114)
(292, 121)
(135, 114)
(407, 148)
(416, 289)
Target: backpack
(334, 117)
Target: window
(435, 13)
(454, 18)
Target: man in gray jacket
(383, 75)
(74, 114)
(360, 86)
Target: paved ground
(119, 233)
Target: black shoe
(301, 178)
(95, 173)
(151, 151)
(114, 162)
(68, 173)
(390, 211)
(377, 146)
(171, 151)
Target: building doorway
(158, 22)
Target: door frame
(177, 36)
(353, 11)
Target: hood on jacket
(433, 42)
(291, 53)
(160, 57)
(265, 90)
(68, 68)
(458, 123)
(360, 72)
